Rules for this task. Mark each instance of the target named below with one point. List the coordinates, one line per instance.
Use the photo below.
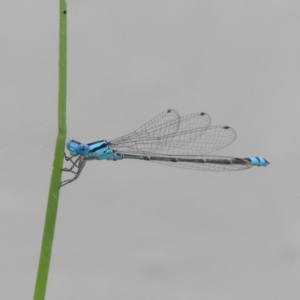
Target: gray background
(137, 230)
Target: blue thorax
(94, 150)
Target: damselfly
(167, 139)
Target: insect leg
(79, 163)
(75, 164)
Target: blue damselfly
(167, 139)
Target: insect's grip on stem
(78, 164)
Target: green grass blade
(49, 227)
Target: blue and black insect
(167, 139)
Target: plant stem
(49, 227)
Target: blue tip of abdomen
(259, 161)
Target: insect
(167, 139)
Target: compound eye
(83, 148)
(71, 144)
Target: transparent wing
(195, 162)
(199, 141)
(168, 133)
(165, 124)
(169, 122)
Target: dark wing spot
(226, 127)
(202, 114)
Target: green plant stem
(49, 227)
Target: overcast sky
(137, 230)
